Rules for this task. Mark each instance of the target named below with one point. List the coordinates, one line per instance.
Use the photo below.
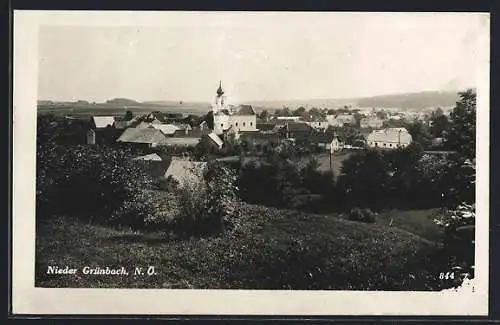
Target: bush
(207, 206)
(459, 237)
(146, 210)
(87, 182)
(362, 215)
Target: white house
(319, 125)
(240, 117)
(390, 138)
(340, 119)
(101, 122)
(374, 123)
(185, 171)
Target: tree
(264, 115)
(420, 133)
(129, 115)
(357, 117)
(439, 125)
(365, 179)
(301, 111)
(461, 136)
(209, 118)
(193, 120)
(285, 111)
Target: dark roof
(147, 135)
(266, 126)
(321, 137)
(260, 137)
(298, 127)
(244, 110)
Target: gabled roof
(299, 127)
(390, 135)
(167, 129)
(260, 138)
(185, 171)
(181, 141)
(244, 110)
(143, 125)
(147, 136)
(216, 139)
(152, 157)
(103, 121)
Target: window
(236, 123)
(222, 125)
(390, 144)
(243, 123)
(251, 123)
(376, 144)
(384, 144)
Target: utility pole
(331, 153)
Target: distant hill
(122, 101)
(418, 100)
(414, 101)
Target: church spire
(220, 92)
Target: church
(240, 118)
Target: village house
(390, 138)
(142, 137)
(266, 127)
(260, 139)
(216, 140)
(185, 171)
(241, 117)
(102, 122)
(340, 120)
(167, 129)
(288, 118)
(371, 122)
(327, 141)
(103, 129)
(296, 130)
(318, 125)
(185, 137)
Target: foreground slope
(265, 249)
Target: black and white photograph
(258, 152)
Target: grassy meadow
(267, 249)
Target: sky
(259, 56)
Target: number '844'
(446, 276)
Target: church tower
(220, 99)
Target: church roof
(244, 110)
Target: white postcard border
(26, 299)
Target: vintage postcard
(250, 163)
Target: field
(88, 110)
(103, 109)
(268, 249)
